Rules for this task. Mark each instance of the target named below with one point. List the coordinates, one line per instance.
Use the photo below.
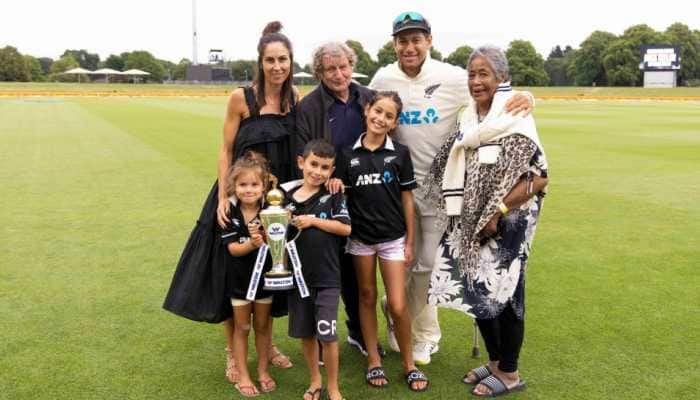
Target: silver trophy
(275, 221)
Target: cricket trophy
(275, 220)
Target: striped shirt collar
(388, 143)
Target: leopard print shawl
(485, 186)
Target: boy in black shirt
(324, 221)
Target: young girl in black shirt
(378, 174)
(246, 182)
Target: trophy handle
(297, 235)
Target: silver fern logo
(430, 90)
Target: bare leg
(309, 347)
(232, 373)
(263, 333)
(275, 356)
(331, 361)
(229, 328)
(240, 344)
(394, 276)
(365, 268)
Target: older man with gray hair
(334, 111)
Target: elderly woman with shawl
(488, 180)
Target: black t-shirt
(240, 269)
(318, 249)
(374, 181)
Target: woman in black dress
(259, 118)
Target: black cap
(410, 20)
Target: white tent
(78, 71)
(359, 75)
(106, 72)
(136, 72)
(302, 74)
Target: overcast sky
(47, 28)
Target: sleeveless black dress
(198, 288)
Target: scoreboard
(660, 64)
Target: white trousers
(424, 317)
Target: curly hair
(331, 49)
(251, 161)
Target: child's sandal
(247, 391)
(375, 374)
(267, 385)
(414, 376)
(278, 359)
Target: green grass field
(100, 194)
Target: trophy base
(278, 283)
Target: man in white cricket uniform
(433, 93)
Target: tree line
(602, 59)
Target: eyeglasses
(410, 15)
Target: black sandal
(376, 373)
(498, 387)
(416, 375)
(315, 394)
(480, 373)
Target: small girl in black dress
(246, 182)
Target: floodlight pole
(194, 32)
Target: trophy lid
(275, 197)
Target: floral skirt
(500, 278)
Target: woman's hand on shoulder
(222, 212)
(335, 185)
(520, 102)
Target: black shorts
(314, 316)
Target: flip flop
(480, 373)
(267, 385)
(315, 394)
(278, 359)
(498, 387)
(374, 374)
(328, 396)
(415, 375)
(247, 391)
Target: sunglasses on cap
(410, 20)
(409, 15)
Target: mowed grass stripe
(609, 273)
(91, 219)
(190, 139)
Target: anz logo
(386, 177)
(417, 117)
(374, 179)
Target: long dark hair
(272, 34)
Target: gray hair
(331, 49)
(495, 57)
